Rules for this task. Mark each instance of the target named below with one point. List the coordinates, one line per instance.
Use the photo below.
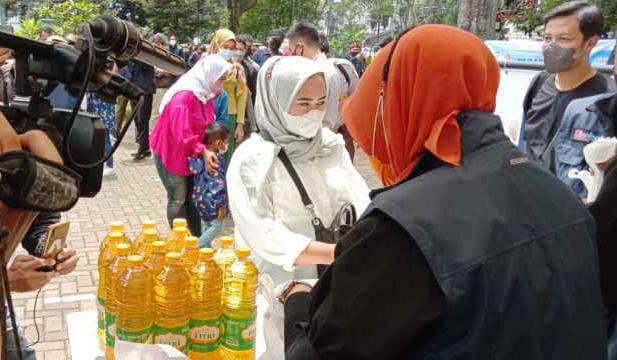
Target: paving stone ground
(133, 195)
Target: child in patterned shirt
(210, 190)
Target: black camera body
(81, 67)
(84, 138)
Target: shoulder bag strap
(341, 68)
(306, 200)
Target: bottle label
(110, 329)
(100, 311)
(175, 337)
(239, 332)
(143, 336)
(204, 335)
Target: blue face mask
(226, 54)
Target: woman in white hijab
(186, 110)
(266, 205)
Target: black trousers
(142, 123)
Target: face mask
(30, 183)
(223, 149)
(226, 54)
(238, 55)
(558, 58)
(307, 125)
(172, 42)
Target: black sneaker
(147, 153)
(140, 156)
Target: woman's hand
(239, 133)
(317, 253)
(211, 161)
(25, 275)
(67, 261)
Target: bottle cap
(173, 258)
(243, 252)
(148, 224)
(116, 226)
(116, 236)
(226, 241)
(179, 222)
(136, 259)
(151, 234)
(123, 249)
(206, 254)
(159, 246)
(191, 242)
(180, 231)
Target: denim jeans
(12, 353)
(179, 204)
(209, 232)
(107, 113)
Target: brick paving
(133, 195)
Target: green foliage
(436, 11)
(347, 21)
(339, 44)
(67, 16)
(186, 18)
(529, 19)
(272, 14)
(609, 9)
(29, 28)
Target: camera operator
(18, 214)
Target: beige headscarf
(279, 81)
(221, 36)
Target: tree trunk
(236, 9)
(478, 17)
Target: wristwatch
(283, 297)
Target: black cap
(277, 33)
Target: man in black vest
(474, 252)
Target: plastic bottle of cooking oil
(179, 222)
(106, 251)
(239, 308)
(171, 320)
(225, 255)
(175, 243)
(134, 305)
(141, 244)
(205, 290)
(156, 260)
(116, 268)
(190, 253)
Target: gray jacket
(584, 121)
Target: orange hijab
(436, 71)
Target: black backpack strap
(534, 87)
(341, 68)
(306, 200)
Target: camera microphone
(122, 38)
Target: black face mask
(31, 183)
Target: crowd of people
(476, 248)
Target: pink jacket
(179, 131)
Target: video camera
(81, 67)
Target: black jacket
(509, 248)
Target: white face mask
(173, 42)
(306, 125)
